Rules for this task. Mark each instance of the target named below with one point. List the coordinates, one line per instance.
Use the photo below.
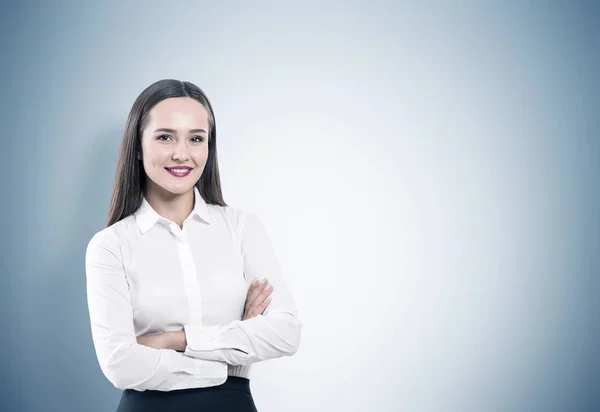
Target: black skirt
(233, 395)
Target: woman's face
(175, 145)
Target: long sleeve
(273, 334)
(125, 363)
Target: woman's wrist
(176, 340)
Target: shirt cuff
(203, 338)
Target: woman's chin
(179, 189)
(176, 189)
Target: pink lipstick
(179, 171)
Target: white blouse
(145, 275)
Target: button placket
(190, 279)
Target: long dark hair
(130, 179)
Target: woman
(184, 292)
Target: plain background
(428, 174)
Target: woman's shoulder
(109, 237)
(228, 213)
(233, 215)
(241, 219)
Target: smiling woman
(184, 292)
(170, 126)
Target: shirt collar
(146, 216)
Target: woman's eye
(197, 139)
(163, 136)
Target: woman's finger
(260, 299)
(256, 298)
(263, 295)
(257, 310)
(265, 305)
(256, 292)
(251, 294)
(267, 291)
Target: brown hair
(130, 179)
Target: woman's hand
(167, 340)
(157, 341)
(257, 298)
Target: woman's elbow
(293, 336)
(116, 376)
(122, 373)
(120, 378)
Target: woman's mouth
(179, 171)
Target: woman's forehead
(175, 113)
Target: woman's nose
(180, 153)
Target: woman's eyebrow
(174, 131)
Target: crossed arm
(257, 300)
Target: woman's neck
(174, 207)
